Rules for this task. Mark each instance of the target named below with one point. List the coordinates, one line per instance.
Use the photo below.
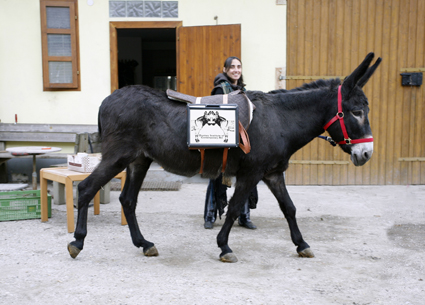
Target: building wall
(263, 49)
(21, 84)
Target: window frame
(73, 32)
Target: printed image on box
(84, 163)
(213, 127)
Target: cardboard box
(18, 205)
(84, 163)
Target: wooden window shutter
(59, 40)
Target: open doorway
(147, 57)
(192, 60)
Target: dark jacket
(222, 85)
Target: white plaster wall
(21, 87)
(21, 90)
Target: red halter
(340, 116)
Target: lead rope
(329, 139)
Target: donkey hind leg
(136, 173)
(276, 183)
(240, 196)
(87, 190)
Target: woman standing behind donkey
(216, 200)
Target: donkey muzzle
(361, 153)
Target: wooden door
(201, 52)
(329, 38)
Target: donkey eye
(358, 113)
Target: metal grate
(153, 186)
(161, 186)
(133, 8)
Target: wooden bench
(85, 137)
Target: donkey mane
(318, 84)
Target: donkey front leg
(136, 173)
(276, 183)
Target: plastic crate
(20, 205)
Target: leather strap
(202, 160)
(225, 151)
(246, 145)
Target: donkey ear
(369, 73)
(354, 77)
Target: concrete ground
(369, 245)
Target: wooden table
(67, 177)
(32, 151)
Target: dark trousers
(216, 201)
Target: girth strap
(245, 146)
(202, 160)
(225, 151)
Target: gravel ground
(369, 245)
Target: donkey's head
(350, 128)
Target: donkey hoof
(152, 251)
(306, 253)
(229, 258)
(73, 251)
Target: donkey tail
(99, 125)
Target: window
(134, 8)
(59, 40)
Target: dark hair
(227, 64)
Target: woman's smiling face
(234, 72)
